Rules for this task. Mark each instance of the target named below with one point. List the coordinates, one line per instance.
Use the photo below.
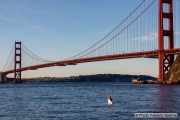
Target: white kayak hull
(110, 102)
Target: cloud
(2, 17)
(32, 26)
(9, 9)
(150, 36)
(11, 6)
(55, 35)
(177, 33)
(102, 32)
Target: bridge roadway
(145, 54)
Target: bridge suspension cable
(176, 21)
(9, 61)
(136, 34)
(30, 59)
(130, 35)
(31, 54)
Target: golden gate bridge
(151, 30)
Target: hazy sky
(59, 29)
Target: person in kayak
(110, 96)
(110, 100)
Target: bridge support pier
(165, 61)
(17, 62)
(2, 78)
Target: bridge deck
(145, 54)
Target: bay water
(86, 100)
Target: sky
(58, 29)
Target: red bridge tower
(165, 61)
(17, 62)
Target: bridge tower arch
(17, 62)
(165, 60)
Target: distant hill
(91, 78)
